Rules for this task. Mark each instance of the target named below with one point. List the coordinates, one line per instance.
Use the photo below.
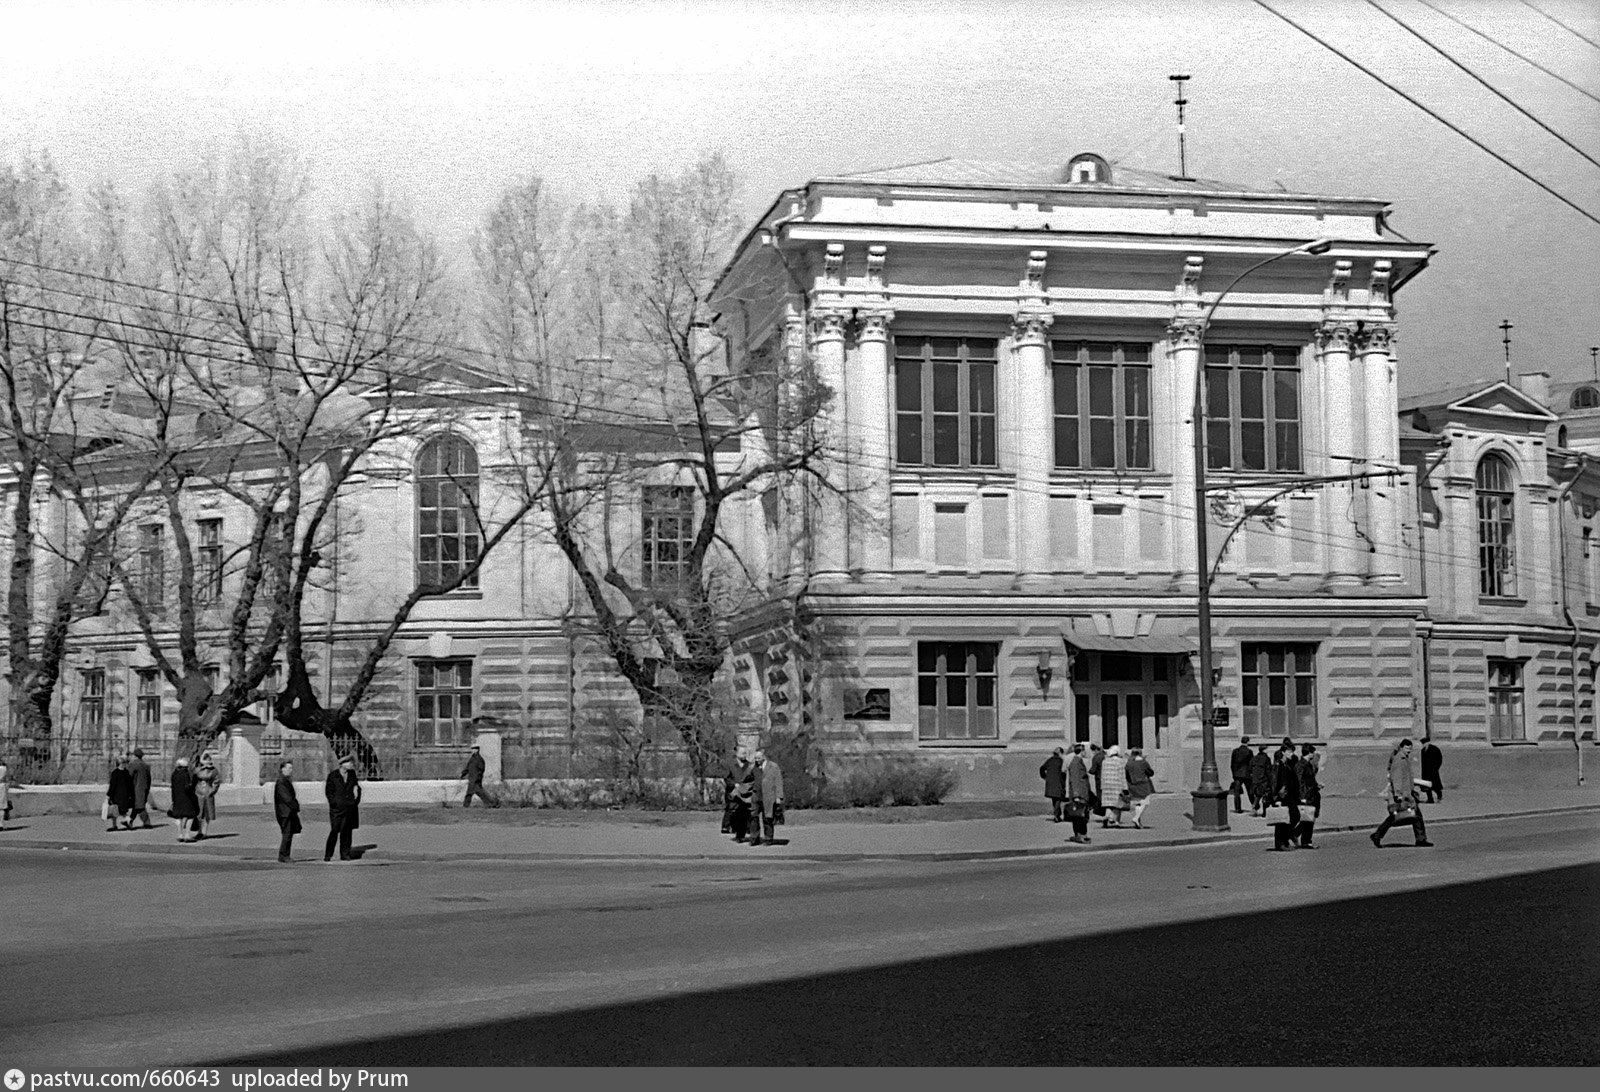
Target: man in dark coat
(1260, 780)
(286, 806)
(473, 772)
(1055, 781)
(744, 797)
(1286, 791)
(1310, 794)
(1239, 762)
(119, 797)
(1097, 758)
(140, 772)
(1432, 759)
(185, 805)
(1078, 795)
(344, 815)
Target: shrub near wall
(812, 779)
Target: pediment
(1502, 400)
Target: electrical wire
(1559, 23)
(1507, 99)
(1585, 213)
(1525, 59)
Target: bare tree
(646, 443)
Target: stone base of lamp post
(1210, 809)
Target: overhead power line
(1563, 26)
(1507, 99)
(1579, 209)
(1519, 56)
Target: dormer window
(1088, 169)
(1585, 398)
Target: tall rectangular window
(666, 534)
(944, 401)
(1506, 721)
(1280, 689)
(1102, 405)
(152, 567)
(956, 687)
(208, 562)
(444, 703)
(147, 705)
(92, 707)
(1252, 408)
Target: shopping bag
(105, 810)
(1277, 813)
(1401, 812)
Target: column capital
(874, 324)
(1335, 334)
(827, 324)
(1030, 327)
(1186, 332)
(1375, 337)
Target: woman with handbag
(119, 797)
(1077, 805)
(1402, 797)
(1284, 815)
(1141, 784)
(1113, 786)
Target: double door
(1124, 699)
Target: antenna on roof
(1594, 358)
(1506, 328)
(1180, 102)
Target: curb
(267, 854)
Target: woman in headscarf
(1141, 783)
(1402, 794)
(185, 808)
(205, 791)
(1113, 786)
(119, 797)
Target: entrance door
(1123, 699)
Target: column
(1034, 449)
(829, 526)
(244, 744)
(1382, 449)
(868, 425)
(1341, 437)
(1184, 336)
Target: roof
(952, 170)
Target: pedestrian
(1239, 762)
(1113, 786)
(286, 806)
(1055, 782)
(730, 778)
(744, 796)
(1286, 794)
(768, 804)
(1077, 807)
(185, 807)
(5, 793)
(343, 791)
(473, 772)
(1432, 759)
(140, 772)
(1310, 793)
(1402, 793)
(1097, 759)
(1141, 784)
(205, 792)
(1260, 780)
(119, 797)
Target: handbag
(1277, 813)
(777, 814)
(1077, 808)
(1401, 812)
(105, 810)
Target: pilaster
(1382, 449)
(869, 426)
(1341, 415)
(1185, 337)
(1034, 446)
(830, 534)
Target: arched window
(1585, 398)
(1496, 527)
(448, 532)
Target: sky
(446, 104)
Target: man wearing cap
(1239, 762)
(140, 772)
(344, 816)
(286, 807)
(473, 772)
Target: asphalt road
(1482, 950)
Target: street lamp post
(1210, 797)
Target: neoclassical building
(1011, 561)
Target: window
(666, 534)
(944, 401)
(208, 570)
(1585, 398)
(1252, 408)
(1102, 405)
(147, 704)
(956, 685)
(1496, 527)
(1280, 689)
(92, 707)
(152, 567)
(444, 703)
(447, 512)
(1505, 702)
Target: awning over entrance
(1081, 634)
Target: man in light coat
(769, 797)
(1402, 793)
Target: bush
(581, 793)
(888, 782)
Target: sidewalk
(252, 835)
